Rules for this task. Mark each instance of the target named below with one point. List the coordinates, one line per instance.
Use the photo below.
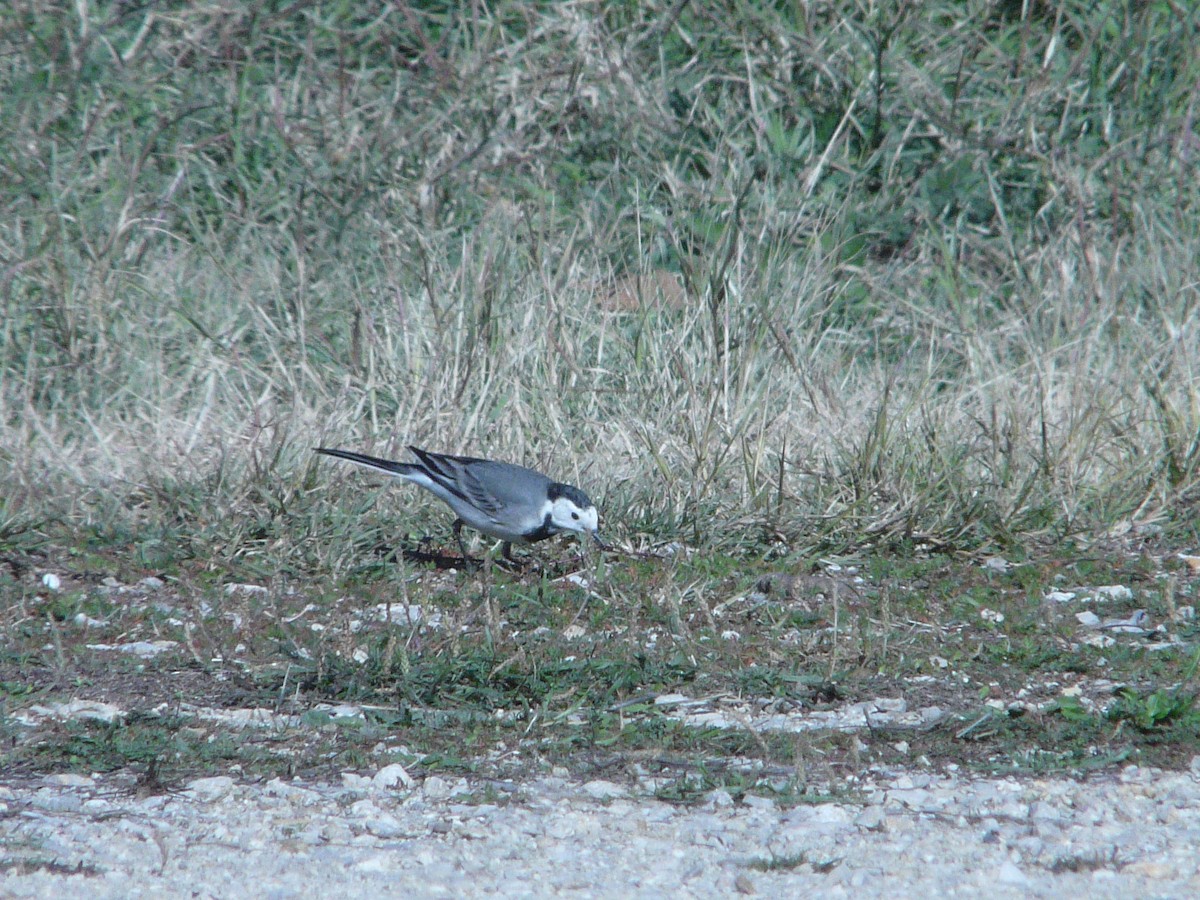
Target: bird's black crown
(572, 493)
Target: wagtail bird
(512, 503)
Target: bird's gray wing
(483, 484)
(445, 471)
(499, 490)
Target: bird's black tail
(374, 462)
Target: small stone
(829, 814)
(1134, 774)
(392, 776)
(365, 809)
(604, 790)
(80, 709)
(53, 801)
(386, 826)
(209, 790)
(744, 885)
(917, 798)
(245, 589)
(436, 788)
(1009, 873)
(671, 699)
(718, 799)
(69, 779)
(871, 819)
(1045, 812)
(335, 832)
(1150, 868)
(378, 863)
(140, 649)
(292, 793)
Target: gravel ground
(1126, 834)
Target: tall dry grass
(899, 271)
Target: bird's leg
(458, 527)
(507, 551)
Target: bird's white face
(564, 514)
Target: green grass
(781, 286)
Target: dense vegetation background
(872, 327)
(822, 272)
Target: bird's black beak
(596, 537)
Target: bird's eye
(575, 516)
